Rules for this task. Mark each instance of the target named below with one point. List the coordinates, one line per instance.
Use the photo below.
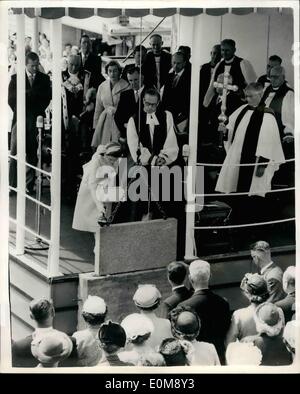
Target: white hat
(95, 305)
(269, 319)
(136, 325)
(289, 334)
(243, 353)
(52, 348)
(146, 296)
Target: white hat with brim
(269, 319)
(136, 325)
(95, 305)
(146, 296)
(52, 348)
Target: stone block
(135, 246)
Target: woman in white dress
(97, 177)
(107, 100)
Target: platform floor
(76, 247)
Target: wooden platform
(76, 247)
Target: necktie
(30, 78)
(136, 95)
(175, 80)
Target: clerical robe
(268, 148)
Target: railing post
(56, 47)
(21, 134)
(193, 136)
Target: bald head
(74, 62)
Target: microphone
(39, 122)
(185, 152)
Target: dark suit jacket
(93, 65)
(214, 314)
(150, 77)
(38, 97)
(178, 295)
(177, 99)
(273, 277)
(127, 107)
(205, 75)
(21, 353)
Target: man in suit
(130, 100)
(139, 59)
(157, 63)
(212, 309)
(206, 71)
(90, 65)
(176, 272)
(176, 95)
(38, 96)
(42, 313)
(261, 256)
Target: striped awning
(81, 13)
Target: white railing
(55, 174)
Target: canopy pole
(193, 136)
(21, 135)
(56, 41)
(35, 34)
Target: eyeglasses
(150, 104)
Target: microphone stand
(39, 244)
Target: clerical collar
(229, 61)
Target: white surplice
(268, 147)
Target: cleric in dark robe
(155, 143)
(253, 137)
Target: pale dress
(88, 208)
(107, 101)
